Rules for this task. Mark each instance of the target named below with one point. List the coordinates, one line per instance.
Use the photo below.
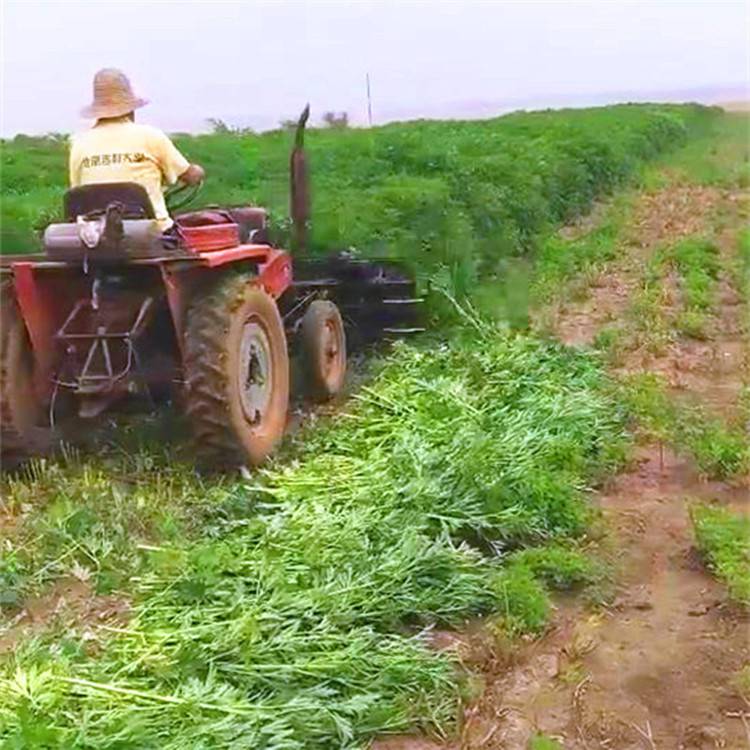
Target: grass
(723, 538)
(719, 157)
(543, 742)
(288, 611)
(97, 519)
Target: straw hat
(113, 95)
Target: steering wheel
(181, 195)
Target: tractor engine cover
(140, 238)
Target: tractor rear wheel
(21, 412)
(237, 373)
(323, 346)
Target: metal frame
(43, 303)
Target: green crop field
(293, 607)
(450, 197)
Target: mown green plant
(294, 616)
(724, 539)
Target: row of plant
(455, 195)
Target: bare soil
(71, 604)
(652, 670)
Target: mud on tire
(323, 349)
(236, 372)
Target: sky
(253, 63)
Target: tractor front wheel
(323, 347)
(237, 373)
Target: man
(116, 149)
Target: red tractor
(112, 307)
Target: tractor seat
(86, 199)
(130, 230)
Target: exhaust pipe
(299, 200)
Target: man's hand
(193, 175)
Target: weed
(650, 328)
(697, 261)
(720, 450)
(741, 269)
(724, 539)
(543, 742)
(692, 323)
(559, 567)
(741, 682)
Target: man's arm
(193, 175)
(174, 166)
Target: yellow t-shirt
(124, 151)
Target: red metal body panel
(275, 274)
(48, 290)
(40, 323)
(178, 284)
(210, 237)
(40, 320)
(255, 253)
(274, 266)
(44, 300)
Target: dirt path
(654, 669)
(657, 218)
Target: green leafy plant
(291, 610)
(724, 539)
